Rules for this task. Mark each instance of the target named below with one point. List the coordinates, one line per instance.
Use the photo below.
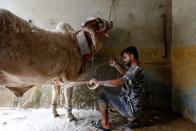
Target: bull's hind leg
(68, 103)
(55, 94)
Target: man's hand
(113, 63)
(93, 82)
(118, 67)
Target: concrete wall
(136, 22)
(184, 58)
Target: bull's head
(97, 28)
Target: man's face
(127, 58)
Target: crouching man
(127, 100)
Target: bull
(31, 56)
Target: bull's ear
(89, 22)
(92, 35)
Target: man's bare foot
(105, 124)
(99, 125)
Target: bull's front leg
(55, 94)
(68, 92)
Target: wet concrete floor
(155, 121)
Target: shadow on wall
(184, 102)
(157, 95)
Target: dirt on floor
(154, 121)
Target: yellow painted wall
(184, 81)
(184, 67)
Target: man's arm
(120, 69)
(109, 83)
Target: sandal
(133, 124)
(98, 125)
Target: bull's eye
(99, 23)
(98, 20)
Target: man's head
(130, 54)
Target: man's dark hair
(131, 50)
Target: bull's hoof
(71, 117)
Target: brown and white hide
(32, 56)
